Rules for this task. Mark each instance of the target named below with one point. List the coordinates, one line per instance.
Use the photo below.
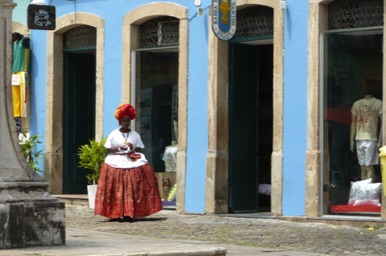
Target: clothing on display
(20, 70)
(170, 157)
(365, 133)
(366, 113)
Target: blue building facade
(248, 115)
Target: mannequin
(366, 116)
(170, 157)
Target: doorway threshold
(255, 215)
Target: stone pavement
(170, 234)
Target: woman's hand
(129, 147)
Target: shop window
(352, 98)
(155, 76)
(156, 100)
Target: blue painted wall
(197, 140)
(37, 90)
(295, 89)
(295, 107)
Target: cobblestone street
(329, 237)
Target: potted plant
(91, 157)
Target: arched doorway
(251, 110)
(79, 71)
(54, 150)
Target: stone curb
(201, 252)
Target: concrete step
(73, 199)
(82, 199)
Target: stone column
(29, 215)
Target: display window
(351, 96)
(156, 91)
(156, 100)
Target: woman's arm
(113, 150)
(119, 149)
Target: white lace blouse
(121, 159)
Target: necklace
(125, 137)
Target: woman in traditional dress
(127, 187)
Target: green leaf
(91, 157)
(27, 147)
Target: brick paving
(311, 236)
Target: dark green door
(247, 92)
(78, 116)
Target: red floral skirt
(127, 192)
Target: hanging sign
(224, 18)
(41, 17)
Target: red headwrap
(125, 110)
